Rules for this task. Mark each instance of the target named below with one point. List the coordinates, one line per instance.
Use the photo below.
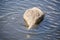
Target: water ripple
(12, 23)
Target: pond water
(12, 24)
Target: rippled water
(12, 25)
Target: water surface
(12, 24)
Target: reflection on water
(12, 25)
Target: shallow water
(12, 25)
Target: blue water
(12, 24)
